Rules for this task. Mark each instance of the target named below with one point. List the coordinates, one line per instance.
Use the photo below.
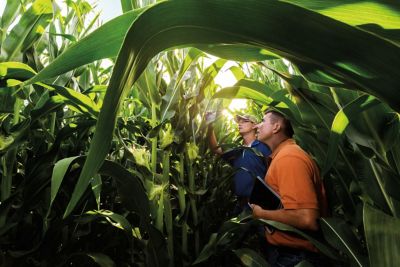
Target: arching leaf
(176, 23)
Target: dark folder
(264, 196)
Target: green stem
(184, 238)
(194, 208)
(182, 201)
(52, 123)
(181, 188)
(8, 160)
(5, 181)
(17, 106)
(153, 140)
(167, 206)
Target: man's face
(265, 128)
(245, 126)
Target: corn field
(103, 141)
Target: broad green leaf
(60, 169)
(5, 141)
(172, 95)
(321, 76)
(338, 234)
(16, 70)
(250, 258)
(375, 129)
(39, 27)
(207, 80)
(387, 185)
(107, 39)
(148, 86)
(287, 228)
(29, 27)
(237, 72)
(9, 14)
(130, 188)
(382, 233)
(235, 92)
(101, 259)
(126, 5)
(208, 250)
(229, 233)
(20, 130)
(264, 93)
(177, 23)
(382, 13)
(315, 105)
(7, 102)
(117, 221)
(66, 36)
(304, 263)
(243, 53)
(156, 251)
(80, 101)
(339, 124)
(96, 188)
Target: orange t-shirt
(295, 177)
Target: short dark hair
(287, 125)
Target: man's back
(295, 177)
(253, 164)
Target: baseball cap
(248, 117)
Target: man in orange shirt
(294, 176)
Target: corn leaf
(16, 70)
(96, 184)
(130, 188)
(382, 234)
(114, 219)
(244, 53)
(126, 5)
(266, 94)
(107, 39)
(339, 124)
(101, 259)
(172, 95)
(9, 13)
(250, 258)
(382, 13)
(174, 23)
(340, 236)
(30, 26)
(322, 247)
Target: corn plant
(88, 159)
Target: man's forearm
(213, 141)
(300, 218)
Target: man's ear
(276, 127)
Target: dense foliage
(110, 165)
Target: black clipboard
(264, 196)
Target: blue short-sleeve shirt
(255, 164)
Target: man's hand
(210, 116)
(257, 211)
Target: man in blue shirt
(247, 162)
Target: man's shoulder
(257, 144)
(292, 150)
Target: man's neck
(274, 143)
(248, 139)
